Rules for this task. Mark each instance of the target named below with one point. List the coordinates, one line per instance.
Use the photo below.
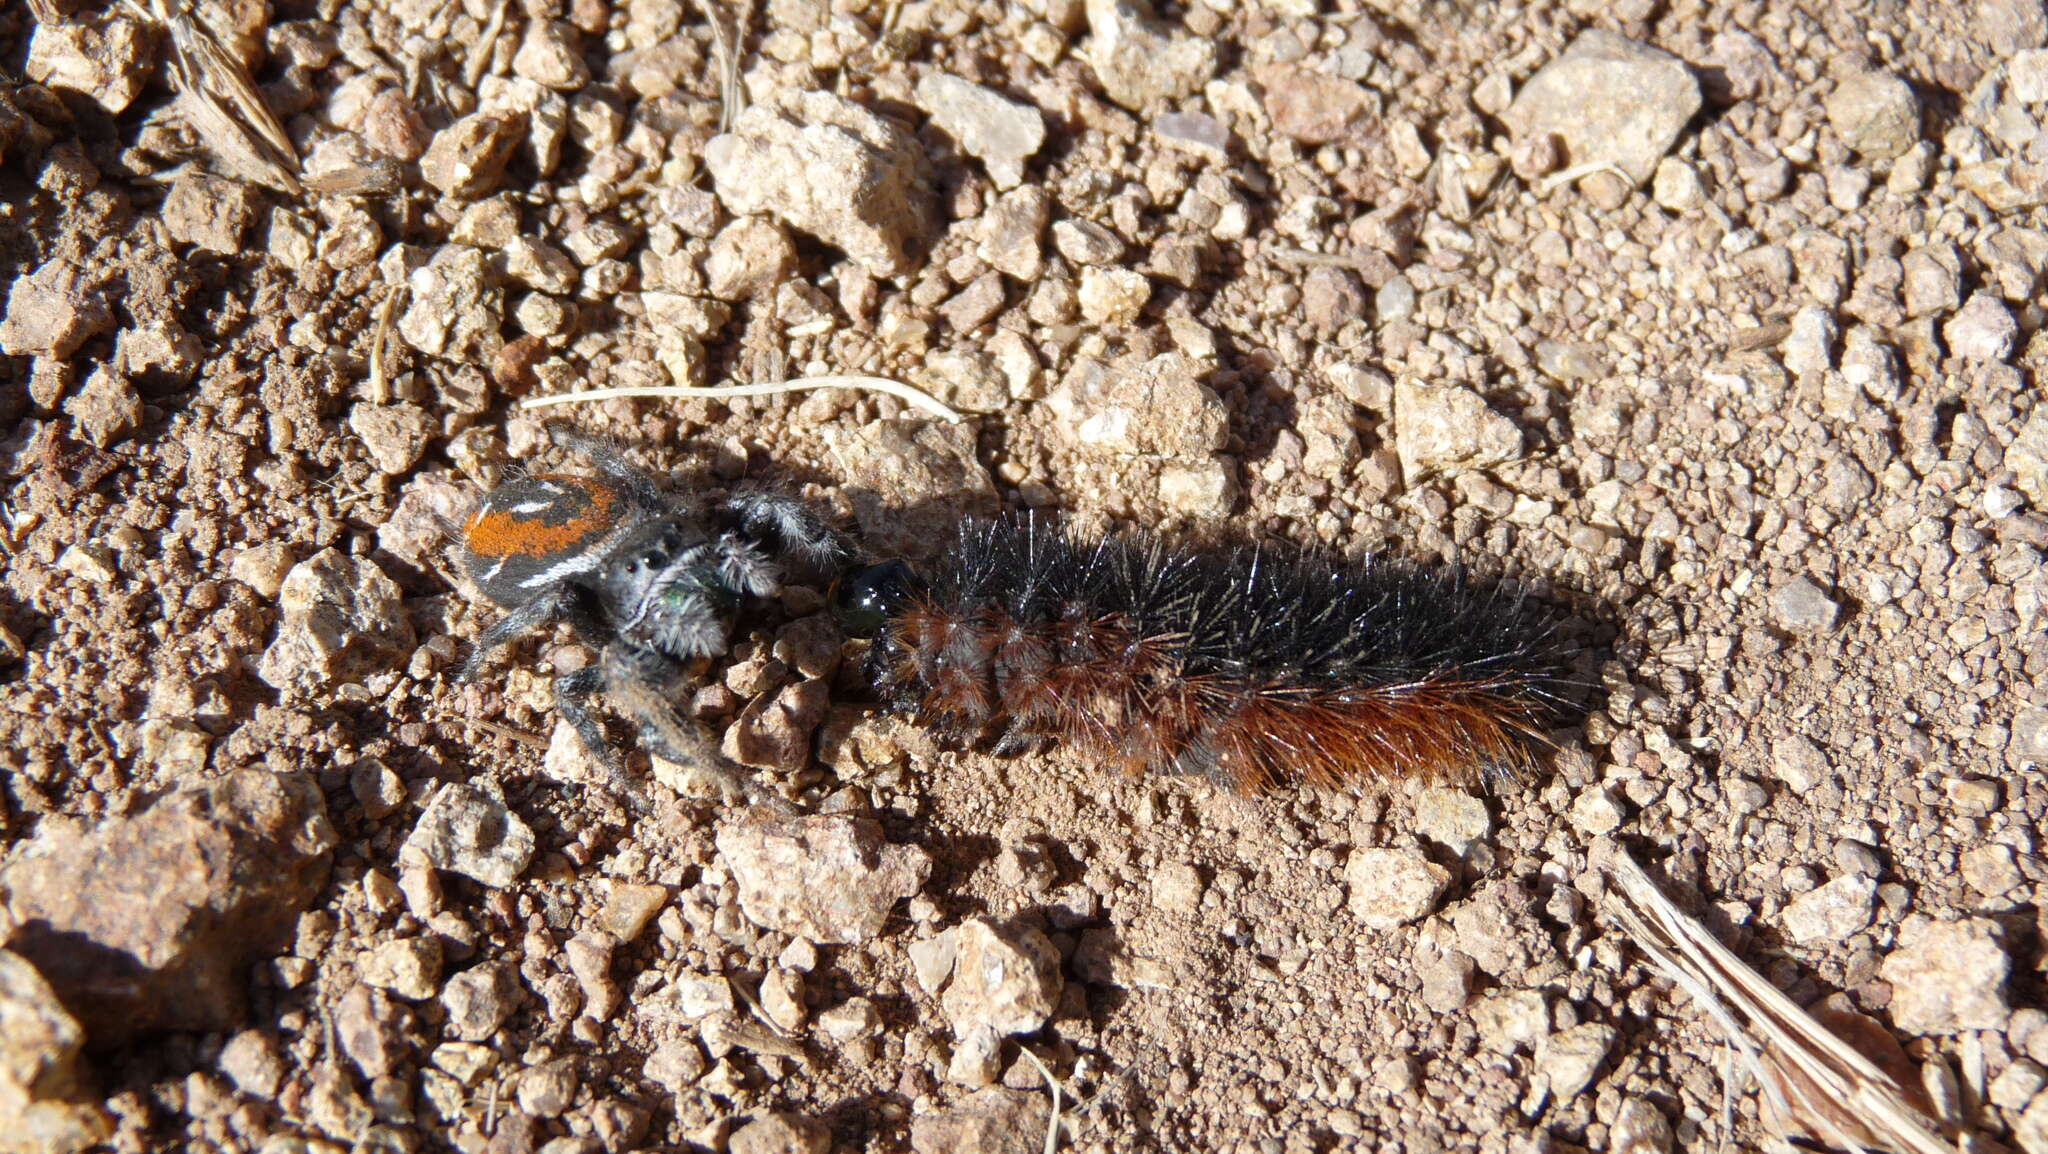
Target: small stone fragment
(965, 379)
(342, 619)
(107, 410)
(630, 907)
(1568, 1059)
(43, 1099)
(1639, 1128)
(107, 59)
(1609, 101)
(253, 1061)
(468, 831)
(1007, 978)
(548, 55)
(1510, 1021)
(1948, 976)
(161, 355)
(977, 1057)
(676, 1065)
(479, 1000)
(1113, 296)
(990, 1121)
(910, 480)
(775, 732)
(546, 1090)
(828, 878)
(932, 960)
(1392, 887)
(1810, 346)
(781, 1134)
(396, 436)
(1331, 298)
(467, 158)
(1597, 811)
(1991, 870)
(996, 130)
(145, 922)
(1010, 231)
(749, 258)
(209, 212)
(1086, 243)
(1315, 107)
(853, 1018)
(1177, 886)
(1205, 489)
(1442, 429)
(1875, 113)
(2027, 457)
(1798, 762)
(1140, 60)
(1832, 912)
(1982, 330)
(1452, 818)
(408, 967)
(833, 169)
(53, 310)
(1163, 408)
(1799, 606)
(454, 310)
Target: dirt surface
(1722, 337)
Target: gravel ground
(1714, 324)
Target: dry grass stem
(897, 389)
(1806, 1072)
(221, 102)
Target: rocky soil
(1716, 324)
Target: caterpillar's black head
(868, 598)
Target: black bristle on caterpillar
(1264, 666)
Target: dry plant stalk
(222, 103)
(1808, 1074)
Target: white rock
(1610, 101)
(1392, 887)
(468, 831)
(1000, 132)
(833, 169)
(1007, 978)
(1833, 912)
(1948, 976)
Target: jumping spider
(646, 577)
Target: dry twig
(897, 389)
(221, 102)
(1807, 1073)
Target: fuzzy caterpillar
(1265, 667)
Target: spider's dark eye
(868, 598)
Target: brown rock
(828, 878)
(781, 1134)
(833, 169)
(145, 922)
(468, 157)
(1314, 107)
(1005, 977)
(209, 212)
(52, 311)
(40, 1090)
(991, 1121)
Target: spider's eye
(867, 598)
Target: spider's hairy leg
(645, 490)
(789, 529)
(557, 604)
(639, 681)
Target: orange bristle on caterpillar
(1265, 667)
